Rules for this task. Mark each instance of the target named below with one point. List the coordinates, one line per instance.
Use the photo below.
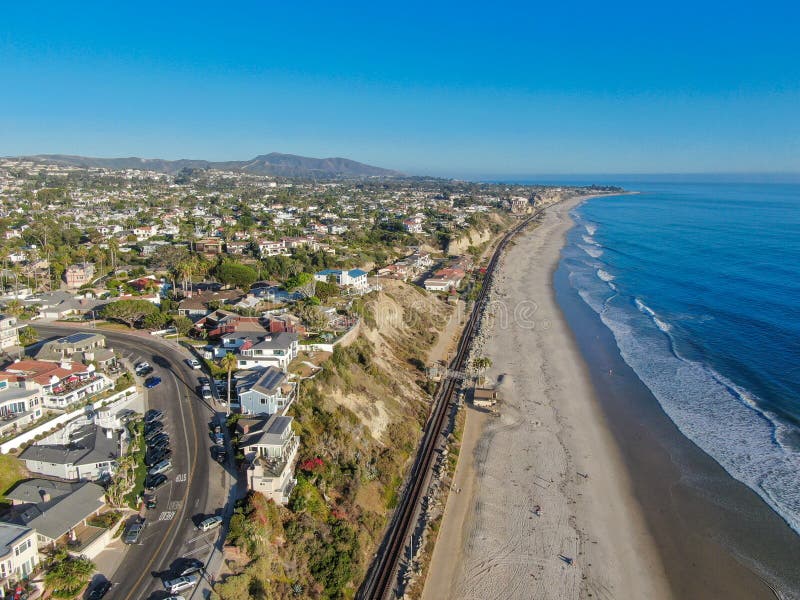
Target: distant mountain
(280, 165)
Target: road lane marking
(167, 515)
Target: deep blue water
(700, 285)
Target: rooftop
(88, 445)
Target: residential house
(355, 278)
(80, 348)
(197, 304)
(286, 323)
(20, 404)
(145, 232)
(413, 224)
(272, 248)
(264, 392)
(79, 275)
(9, 336)
(273, 350)
(63, 383)
(210, 246)
(19, 555)
(79, 452)
(237, 246)
(55, 510)
(270, 449)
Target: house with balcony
(19, 555)
(264, 392)
(9, 336)
(76, 453)
(209, 246)
(270, 449)
(276, 350)
(63, 383)
(21, 404)
(272, 248)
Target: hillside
(276, 164)
(359, 423)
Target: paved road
(198, 487)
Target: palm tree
(229, 363)
(480, 364)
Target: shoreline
(549, 447)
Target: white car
(210, 523)
(181, 583)
(162, 467)
(193, 362)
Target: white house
(270, 449)
(278, 350)
(8, 332)
(354, 277)
(20, 404)
(87, 453)
(19, 554)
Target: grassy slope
(11, 471)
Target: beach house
(270, 449)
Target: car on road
(203, 381)
(210, 523)
(133, 532)
(193, 362)
(190, 566)
(153, 415)
(219, 454)
(99, 591)
(205, 392)
(158, 439)
(152, 382)
(153, 426)
(162, 467)
(151, 502)
(156, 481)
(181, 583)
(151, 435)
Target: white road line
(198, 549)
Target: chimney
(45, 495)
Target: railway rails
(382, 574)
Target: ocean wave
(605, 275)
(589, 240)
(591, 228)
(592, 251)
(724, 420)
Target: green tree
(183, 325)
(129, 312)
(27, 336)
(232, 273)
(303, 283)
(325, 290)
(67, 575)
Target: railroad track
(382, 574)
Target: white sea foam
(592, 251)
(605, 275)
(591, 228)
(723, 419)
(589, 240)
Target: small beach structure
(485, 397)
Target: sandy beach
(549, 446)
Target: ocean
(700, 285)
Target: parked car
(181, 583)
(205, 392)
(153, 415)
(162, 467)
(151, 502)
(190, 566)
(152, 382)
(219, 454)
(134, 532)
(143, 368)
(203, 381)
(153, 426)
(155, 482)
(210, 523)
(156, 455)
(99, 591)
(193, 362)
(157, 439)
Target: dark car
(153, 426)
(219, 454)
(155, 482)
(99, 591)
(152, 382)
(159, 441)
(153, 415)
(189, 566)
(154, 434)
(151, 502)
(203, 381)
(156, 455)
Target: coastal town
(253, 285)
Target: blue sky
(447, 88)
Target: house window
(263, 401)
